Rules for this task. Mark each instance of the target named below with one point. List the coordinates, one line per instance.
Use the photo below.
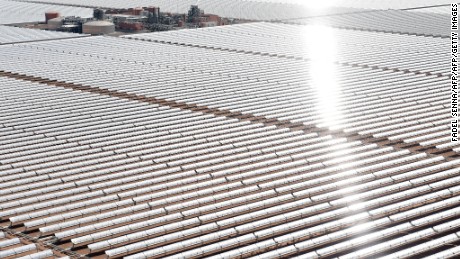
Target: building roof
(99, 23)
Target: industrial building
(130, 20)
(305, 137)
(98, 27)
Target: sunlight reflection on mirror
(351, 195)
(362, 228)
(321, 47)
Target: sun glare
(321, 47)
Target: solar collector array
(292, 41)
(413, 22)
(20, 12)
(121, 176)
(252, 173)
(9, 35)
(257, 93)
(13, 247)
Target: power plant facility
(147, 19)
(229, 129)
(98, 27)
